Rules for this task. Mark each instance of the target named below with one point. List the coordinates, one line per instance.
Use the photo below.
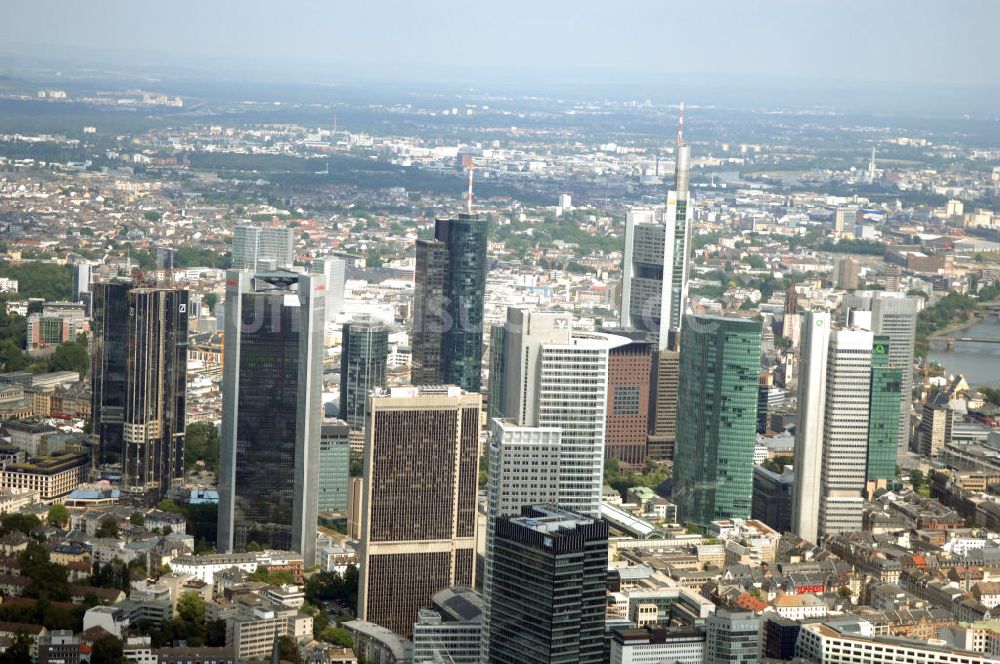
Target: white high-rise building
(558, 378)
(524, 470)
(815, 344)
(334, 268)
(845, 431)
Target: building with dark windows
(449, 290)
(140, 380)
(716, 418)
(419, 501)
(363, 356)
(548, 596)
(628, 402)
(780, 635)
(773, 498)
(110, 306)
(271, 411)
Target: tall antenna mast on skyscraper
(680, 127)
(468, 203)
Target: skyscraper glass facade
(883, 418)
(717, 418)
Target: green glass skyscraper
(363, 355)
(449, 289)
(717, 418)
(883, 419)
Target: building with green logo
(883, 418)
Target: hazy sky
(922, 41)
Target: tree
(107, 650)
(19, 651)
(210, 300)
(337, 636)
(191, 607)
(58, 516)
(137, 519)
(108, 527)
(916, 478)
(24, 523)
(201, 443)
(288, 650)
(71, 356)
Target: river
(978, 362)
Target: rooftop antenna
(680, 127)
(468, 202)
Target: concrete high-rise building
(936, 423)
(450, 631)
(732, 637)
(558, 378)
(334, 269)
(894, 315)
(548, 599)
(524, 470)
(716, 418)
(263, 248)
(334, 467)
(448, 297)
(271, 411)
(363, 358)
(844, 220)
(655, 264)
(627, 422)
(419, 525)
(845, 431)
(666, 367)
(847, 273)
(815, 347)
(139, 381)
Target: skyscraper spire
(680, 127)
(468, 202)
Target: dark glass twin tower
(449, 290)
(139, 378)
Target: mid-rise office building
(855, 641)
(419, 526)
(363, 358)
(846, 273)
(548, 598)
(937, 420)
(773, 498)
(450, 630)
(272, 415)
(449, 292)
(82, 289)
(334, 467)
(717, 418)
(652, 645)
(733, 637)
(139, 381)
